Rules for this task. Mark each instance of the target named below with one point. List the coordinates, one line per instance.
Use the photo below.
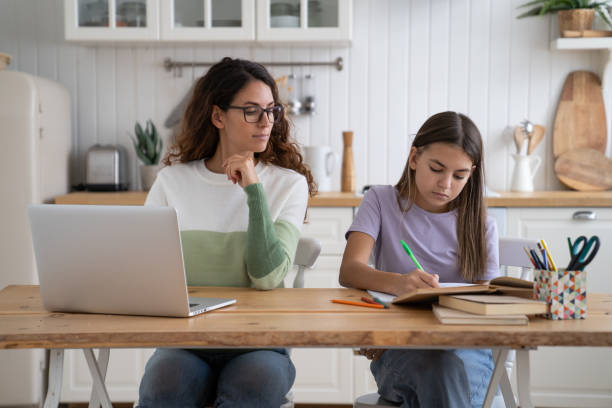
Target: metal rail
(178, 66)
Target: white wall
(408, 60)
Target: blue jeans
(227, 378)
(434, 378)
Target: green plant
(147, 143)
(551, 6)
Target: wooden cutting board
(585, 170)
(581, 116)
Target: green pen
(409, 252)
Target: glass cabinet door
(112, 20)
(304, 20)
(219, 20)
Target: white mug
(322, 162)
(524, 170)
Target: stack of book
(486, 309)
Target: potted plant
(148, 145)
(574, 15)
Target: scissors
(582, 255)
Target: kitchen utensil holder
(564, 291)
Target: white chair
(306, 254)
(511, 254)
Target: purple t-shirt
(431, 236)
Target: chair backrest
(306, 255)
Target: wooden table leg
(99, 388)
(56, 371)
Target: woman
(240, 190)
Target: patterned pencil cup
(564, 291)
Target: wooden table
(283, 318)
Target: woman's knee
(175, 376)
(257, 376)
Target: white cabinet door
(304, 21)
(570, 376)
(207, 20)
(111, 20)
(125, 369)
(329, 225)
(324, 375)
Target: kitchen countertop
(338, 199)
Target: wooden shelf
(586, 44)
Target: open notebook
(503, 284)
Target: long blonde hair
(459, 130)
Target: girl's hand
(417, 279)
(240, 168)
(371, 354)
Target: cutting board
(585, 170)
(581, 116)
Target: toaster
(106, 168)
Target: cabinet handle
(585, 215)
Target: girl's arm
(355, 271)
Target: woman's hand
(240, 168)
(416, 279)
(371, 354)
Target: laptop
(113, 260)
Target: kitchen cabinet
(570, 376)
(111, 20)
(304, 20)
(271, 21)
(324, 375)
(208, 20)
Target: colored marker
(409, 252)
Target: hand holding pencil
(418, 278)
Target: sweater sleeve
(270, 245)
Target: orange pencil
(354, 303)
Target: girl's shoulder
(383, 193)
(382, 197)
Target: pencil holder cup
(564, 291)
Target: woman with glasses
(240, 189)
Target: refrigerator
(35, 142)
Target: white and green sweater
(233, 236)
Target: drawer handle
(584, 215)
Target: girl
(240, 190)
(437, 208)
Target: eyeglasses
(253, 114)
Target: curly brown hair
(198, 137)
